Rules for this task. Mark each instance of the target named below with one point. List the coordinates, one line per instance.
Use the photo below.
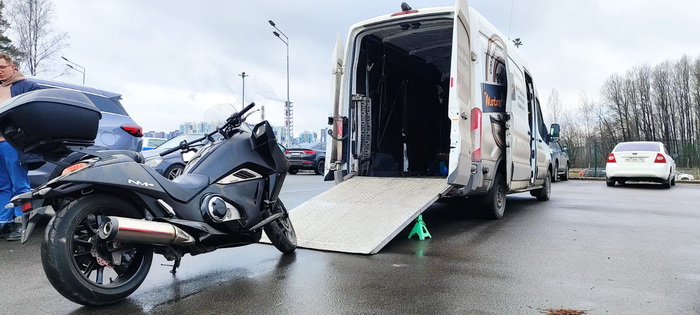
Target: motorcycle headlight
(154, 162)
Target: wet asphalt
(631, 249)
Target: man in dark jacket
(13, 174)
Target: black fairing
(255, 150)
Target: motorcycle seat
(183, 187)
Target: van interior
(403, 70)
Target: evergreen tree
(6, 43)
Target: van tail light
(660, 158)
(134, 130)
(475, 130)
(611, 158)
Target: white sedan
(684, 176)
(640, 161)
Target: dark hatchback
(307, 156)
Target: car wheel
(555, 175)
(673, 181)
(174, 171)
(566, 173)
(609, 182)
(293, 171)
(320, 167)
(667, 183)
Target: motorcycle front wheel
(84, 268)
(281, 231)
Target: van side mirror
(554, 132)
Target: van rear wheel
(544, 193)
(493, 204)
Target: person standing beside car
(14, 178)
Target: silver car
(117, 130)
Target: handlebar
(247, 108)
(185, 145)
(235, 120)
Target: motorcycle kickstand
(175, 265)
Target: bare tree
(613, 93)
(643, 79)
(554, 107)
(36, 41)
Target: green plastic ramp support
(420, 229)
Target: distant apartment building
(308, 136)
(324, 133)
(162, 134)
(199, 127)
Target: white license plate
(296, 154)
(635, 159)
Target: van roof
(391, 16)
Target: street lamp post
(287, 105)
(243, 75)
(70, 64)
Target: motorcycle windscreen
(460, 100)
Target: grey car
(117, 130)
(171, 165)
(560, 160)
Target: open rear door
(335, 147)
(460, 98)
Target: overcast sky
(172, 60)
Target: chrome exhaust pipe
(123, 229)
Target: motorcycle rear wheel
(281, 231)
(80, 265)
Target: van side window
(106, 104)
(542, 126)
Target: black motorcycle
(112, 212)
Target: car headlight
(153, 162)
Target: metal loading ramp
(362, 214)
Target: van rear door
(460, 98)
(334, 148)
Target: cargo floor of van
(362, 214)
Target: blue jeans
(13, 181)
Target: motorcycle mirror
(188, 155)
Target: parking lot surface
(631, 249)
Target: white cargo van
(428, 104)
(439, 92)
